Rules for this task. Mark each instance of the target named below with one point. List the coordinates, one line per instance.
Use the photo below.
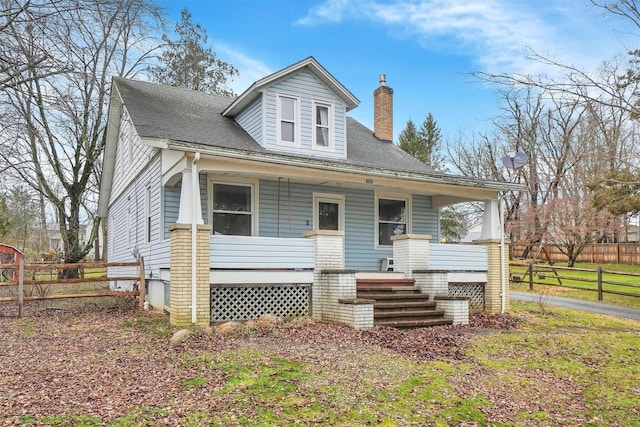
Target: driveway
(594, 307)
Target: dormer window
(323, 132)
(288, 121)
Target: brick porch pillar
(410, 252)
(328, 254)
(493, 288)
(180, 289)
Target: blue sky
(425, 47)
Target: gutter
(344, 167)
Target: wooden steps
(400, 304)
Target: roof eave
(328, 165)
(318, 70)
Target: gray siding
(251, 120)
(305, 86)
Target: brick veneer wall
(432, 282)
(180, 289)
(333, 284)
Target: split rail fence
(34, 282)
(584, 279)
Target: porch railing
(455, 257)
(252, 253)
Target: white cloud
(494, 32)
(249, 69)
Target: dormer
(298, 110)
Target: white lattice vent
(248, 302)
(475, 292)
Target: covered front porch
(309, 237)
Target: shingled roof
(192, 117)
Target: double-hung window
(392, 219)
(232, 209)
(322, 126)
(288, 121)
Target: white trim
(408, 213)
(254, 184)
(296, 120)
(331, 125)
(230, 277)
(330, 198)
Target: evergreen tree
(187, 63)
(408, 140)
(423, 144)
(431, 138)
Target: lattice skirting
(245, 302)
(475, 292)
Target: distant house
(287, 200)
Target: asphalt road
(594, 307)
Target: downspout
(194, 233)
(503, 290)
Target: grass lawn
(584, 283)
(114, 366)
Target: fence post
(531, 276)
(599, 283)
(143, 284)
(20, 286)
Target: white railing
(248, 252)
(454, 257)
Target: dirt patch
(106, 359)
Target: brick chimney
(383, 110)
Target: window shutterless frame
(392, 217)
(323, 136)
(233, 206)
(287, 120)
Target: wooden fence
(31, 276)
(584, 279)
(597, 253)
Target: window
(392, 219)
(232, 209)
(328, 211)
(322, 132)
(288, 123)
(147, 214)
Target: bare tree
(572, 223)
(56, 135)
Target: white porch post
(491, 220)
(187, 196)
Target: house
(281, 201)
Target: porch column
(328, 254)
(491, 220)
(180, 276)
(497, 258)
(189, 198)
(410, 252)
